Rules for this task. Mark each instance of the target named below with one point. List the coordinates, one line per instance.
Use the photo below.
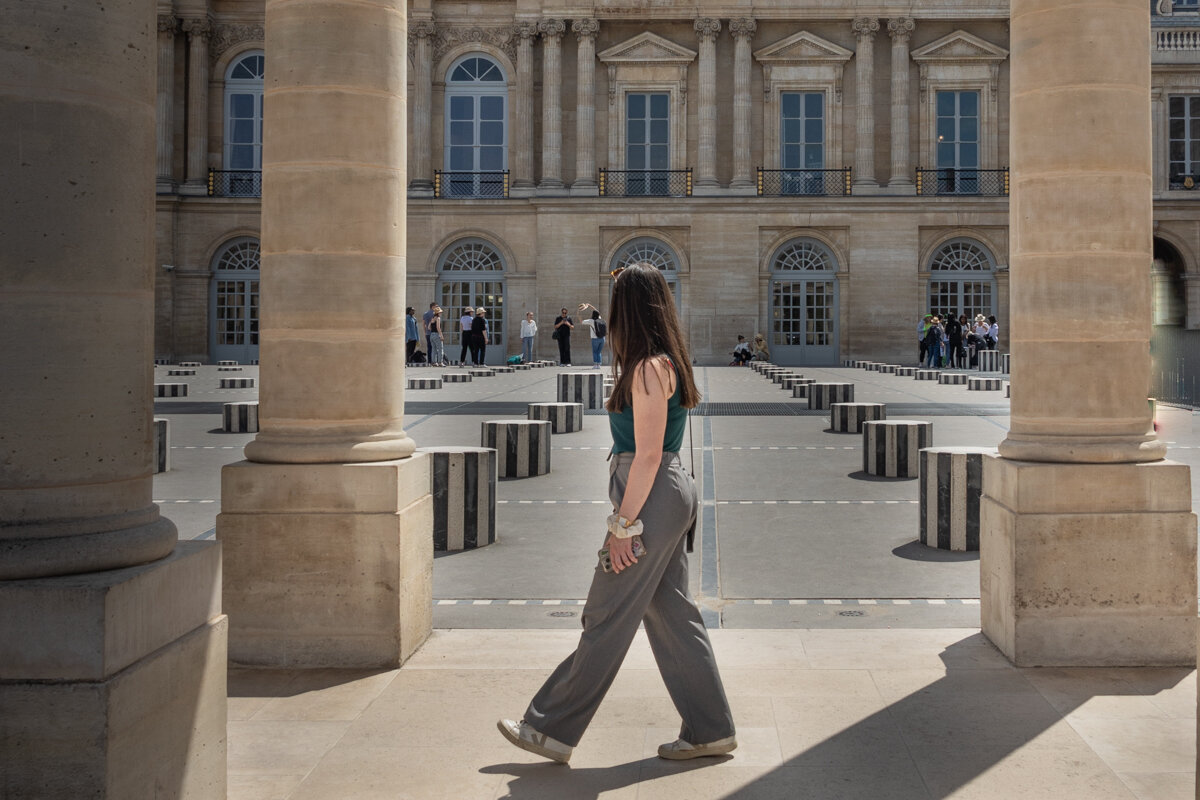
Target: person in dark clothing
(954, 335)
(562, 332)
(479, 336)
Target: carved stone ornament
(552, 28)
(227, 36)
(198, 26)
(167, 23)
(525, 30)
(420, 29)
(585, 27)
(901, 28)
(865, 27)
(742, 27)
(503, 38)
(707, 28)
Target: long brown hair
(642, 323)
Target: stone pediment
(647, 48)
(803, 47)
(960, 47)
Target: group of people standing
(951, 342)
(475, 334)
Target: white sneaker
(679, 750)
(526, 738)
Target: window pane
(658, 106)
(968, 129)
(945, 104)
(658, 156)
(462, 133)
(945, 155)
(491, 133)
(242, 131)
(814, 157)
(1195, 153)
(814, 104)
(491, 158)
(462, 107)
(635, 158)
(460, 73)
(813, 131)
(635, 131)
(241, 105)
(1177, 151)
(636, 106)
(968, 104)
(945, 129)
(490, 72)
(491, 108)
(791, 131)
(462, 158)
(1178, 128)
(791, 156)
(1176, 104)
(659, 131)
(968, 155)
(1195, 127)
(241, 156)
(1194, 106)
(790, 104)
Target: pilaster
(522, 141)
(198, 30)
(864, 29)
(585, 107)
(165, 106)
(707, 29)
(421, 33)
(552, 31)
(900, 29)
(742, 29)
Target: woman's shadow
(546, 781)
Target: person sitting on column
(528, 333)
(562, 332)
(741, 353)
(597, 330)
(761, 353)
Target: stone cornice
(225, 36)
(502, 37)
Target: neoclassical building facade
(817, 172)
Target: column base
(166, 186)
(585, 188)
(526, 190)
(867, 188)
(327, 565)
(197, 188)
(707, 190)
(902, 188)
(116, 685)
(743, 188)
(422, 189)
(552, 189)
(1088, 564)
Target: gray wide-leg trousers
(653, 591)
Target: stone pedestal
(328, 565)
(1088, 564)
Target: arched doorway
(233, 316)
(655, 252)
(803, 304)
(471, 275)
(1174, 350)
(962, 279)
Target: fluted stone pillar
(1088, 543)
(330, 492)
(165, 108)
(585, 107)
(552, 32)
(522, 142)
(742, 29)
(865, 29)
(900, 29)
(420, 171)
(198, 30)
(112, 662)
(707, 29)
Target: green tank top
(621, 424)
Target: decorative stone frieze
(503, 38)
(227, 35)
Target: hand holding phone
(639, 550)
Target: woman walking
(528, 332)
(437, 350)
(656, 504)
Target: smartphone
(639, 550)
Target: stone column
(1158, 108)
(742, 30)
(420, 36)
(707, 29)
(102, 611)
(326, 526)
(1088, 546)
(198, 30)
(522, 141)
(900, 29)
(552, 32)
(865, 29)
(585, 107)
(165, 109)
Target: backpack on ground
(513, 360)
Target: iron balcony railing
(234, 183)
(452, 184)
(803, 182)
(646, 182)
(948, 180)
(1190, 182)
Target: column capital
(707, 28)
(197, 27)
(742, 27)
(422, 29)
(585, 28)
(865, 28)
(552, 28)
(900, 28)
(167, 23)
(525, 30)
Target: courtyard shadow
(915, 551)
(861, 475)
(547, 781)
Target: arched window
(804, 303)
(962, 279)
(243, 126)
(471, 275)
(476, 126)
(648, 250)
(234, 306)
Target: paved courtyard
(851, 652)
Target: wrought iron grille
(980, 182)
(234, 183)
(802, 182)
(1190, 182)
(646, 183)
(470, 184)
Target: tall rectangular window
(958, 130)
(648, 142)
(1183, 138)
(802, 130)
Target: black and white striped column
(951, 485)
(237, 383)
(464, 496)
(162, 444)
(892, 447)
(522, 367)
(181, 373)
(953, 378)
(989, 360)
(481, 372)
(582, 387)
(424, 383)
(927, 374)
(888, 369)
(522, 446)
(1004, 362)
(905, 372)
(227, 363)
(800, 387)
(240, 417)
(849, 417)
(190, 364)
(456, 377)
(503, 370)
(823, 395)
(563, 417)
(777, 377)
(985, 384)
(1008, 389)
(229, 369)
(792, 380)
(170, 390)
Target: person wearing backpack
(598, 331)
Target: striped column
(236, 383)
(892, 447)
(800, 387)
(953, 378)
(823, 395)
(849, 362)
(522, 367)
(464, 496)
(1008, 389)
(582, 387)
(481, 372)
(180, 373)
(229, 369)
(563, 417)
(951, 485)
(190, 364)
(240, 417)
(455, 377)
(989, 360)
(790, 381)
(170, 390)
(162, 444)
(424, 383)
(926, 374)
(227, 363)
(1004, 361)
(985, 384)
(522, 446)
(503, 370)
(777, 377)
(849, 417)
(906, 372)
(889, 369)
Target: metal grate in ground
(518, 409)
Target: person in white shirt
(741, 353)
(597, 330)
(528, 332)
(993, 333)
(464, 333)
